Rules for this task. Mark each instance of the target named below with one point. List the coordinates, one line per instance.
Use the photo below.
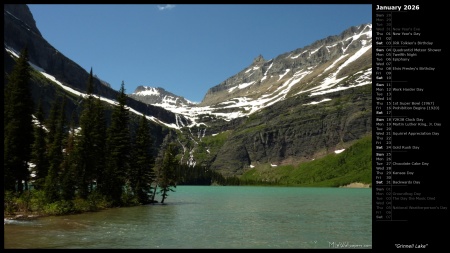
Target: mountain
(320, 68)
(159, 96)
(299, 106)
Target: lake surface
(214, 217)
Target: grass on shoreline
(334, 170)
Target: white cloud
(166, 7)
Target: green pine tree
(141, 171)
(118, 148)
(86, 143)
(90, 84)
(39, 153)
(68, 166)
(99, 140)
(18, 126)
(52, 122)
(166, 171)
(52, 181)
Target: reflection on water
(213, 217)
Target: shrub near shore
(32, 204)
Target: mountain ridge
(265, 82)
(158, 95)
(298, 106)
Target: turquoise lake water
(214, 217)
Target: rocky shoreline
(30, 216)
(356, 185)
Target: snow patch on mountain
(281, 76)
(241, 86)
(148, 91)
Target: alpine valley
(302, 118)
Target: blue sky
(185, 49)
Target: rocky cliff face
(296, 131)
(299, 106)
(17, 33)
(22, 16)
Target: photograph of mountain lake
(187, 126)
